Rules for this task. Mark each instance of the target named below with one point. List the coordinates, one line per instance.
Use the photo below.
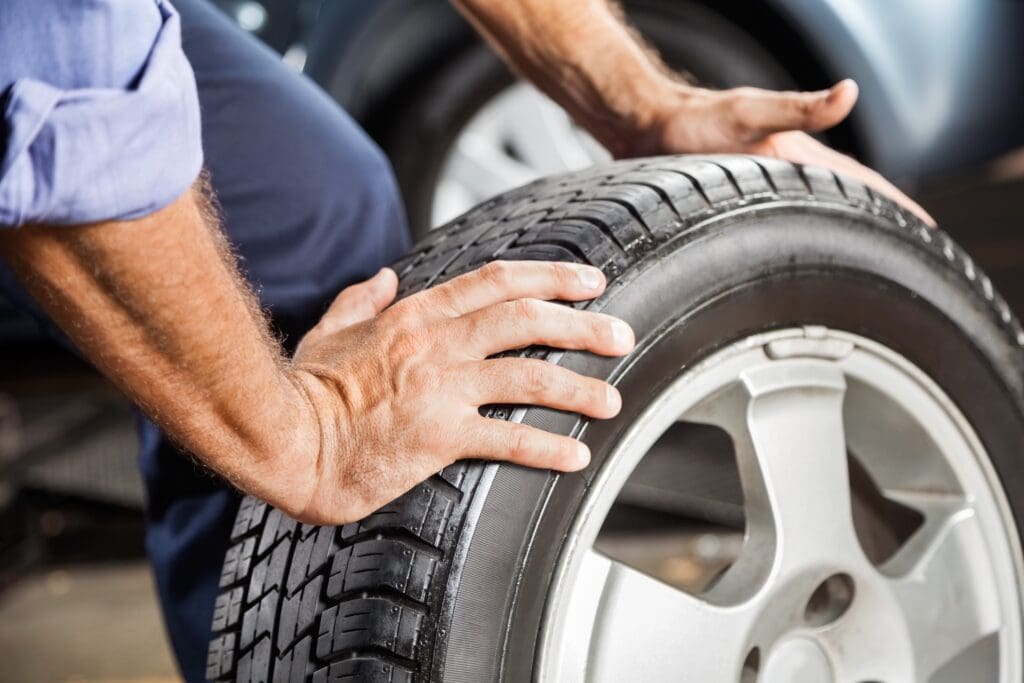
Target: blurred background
(940, 112)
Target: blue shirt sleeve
(100, 117)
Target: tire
(690, 38)
(449, 581)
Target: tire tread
(357, 600)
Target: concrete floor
(84, 624)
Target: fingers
(524, 322)
(500, 281)
(530, 381)
(364, 300)
(757, 113)
(804, 149)
(499, 440)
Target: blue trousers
(311, 205)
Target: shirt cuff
(94, 154)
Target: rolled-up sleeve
(100, 149)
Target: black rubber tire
(448, 582)
(690, 37)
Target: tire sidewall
(748, 271)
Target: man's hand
(397, 393)
(690, 120)
(372, 403)
(584, 57)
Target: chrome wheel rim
(802, 601)
(519, 135)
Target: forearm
(581, 55)
(158, 306)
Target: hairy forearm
(582, 55)
(158, 306)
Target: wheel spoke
(646, 630)
(543, 133)
(796, 429)
(931, 577)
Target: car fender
(933, 94)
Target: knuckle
(581, 393)
(364, 301)
(529, 310)
(537, 380)
(410, 307)
(496, 274)
(594, 328)
(804, 106)
(476, 328)
(575, 394)
(407, 343)
(446, 300)
(601, 329)
(564, 273)
(520, 444)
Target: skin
(377, 396)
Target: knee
(358, 191)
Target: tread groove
(660, 192)
(696, 186)
(443, 487)
(389, 594)
(632, 212)
(379, 653)
(840, 185)
(392, 533)
(732, 179)
(767, 176)
(803, 178)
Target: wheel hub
(803, 600)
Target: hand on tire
(764, 122)
(396, 393)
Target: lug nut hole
(751, 666)
(829, 601)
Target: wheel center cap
(798, 660)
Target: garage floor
(51, 628)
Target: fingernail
(582, 454)
(622, 334)
(590, 278)
(612, 398)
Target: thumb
(364, 300)
(759, 113)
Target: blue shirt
(100, 117)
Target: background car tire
(449, 582)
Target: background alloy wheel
(817, 469)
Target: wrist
(314, 437)
(634, 121)
(283, 457)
